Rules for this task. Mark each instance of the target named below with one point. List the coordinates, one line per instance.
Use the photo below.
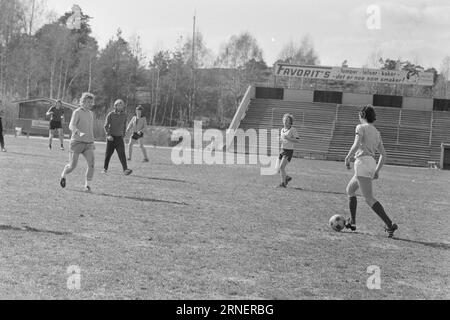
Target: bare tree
(34, 14)
(238, 55)
(445, 72)
(302, 53)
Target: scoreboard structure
(445, 156)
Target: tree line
(46, 55)
(56, 60)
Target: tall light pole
(191, 115)
(32, 17)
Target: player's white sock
(278, 165)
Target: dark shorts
(286, 153)
(137, 136)
(55, 125)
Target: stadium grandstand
(413, 129)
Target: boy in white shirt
(82, 140)
(138, 125)
(288, 138)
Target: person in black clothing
(2, 140)
(115, 129)
(56, 114)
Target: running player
(56, 114)
(82, 140)
(289, 136)
(115, 128)
(137, 125)
(367, 142)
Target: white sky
(418, 30)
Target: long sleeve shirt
(137, 125)
(1, 126)
(82, 125)
(116, 124)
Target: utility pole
(191, 115)
(32, 18)
(90, 72)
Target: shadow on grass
(151, 163)
(30, 229)
(157, 179)
(320, 191)
(435, 245)
(130, 198)
(30, 155)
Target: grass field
(214, 232)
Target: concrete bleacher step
(398, 128)
(329, 128)
(314, 122)
(415, 119)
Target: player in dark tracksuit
(2, 140)
(56, 114)
(115, 128)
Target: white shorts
(365, 167)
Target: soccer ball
(337, 223)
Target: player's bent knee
(371, 201)
(70, 168)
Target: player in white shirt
(82, 140)
(367, 142)
(288, 138)
(137, 125)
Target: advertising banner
(354, 74)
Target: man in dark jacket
(115, 128)
(56, 114)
